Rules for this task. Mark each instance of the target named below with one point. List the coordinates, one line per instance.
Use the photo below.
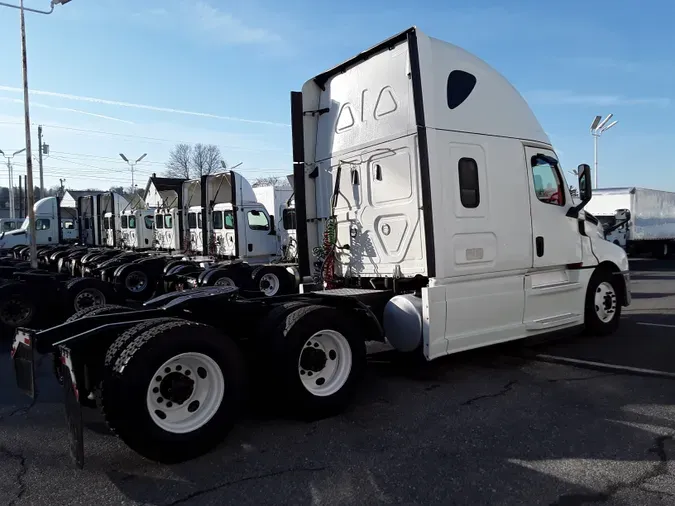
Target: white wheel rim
(269, 284)
(186, 397)
(605, 302)
(136, 281)
(224, 282)
(325, 363)
(88, 297)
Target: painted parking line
(656, 324)
(604, 366)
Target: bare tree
(206, 159)
(276, 181)
(180, 161)
(186, 161)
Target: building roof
(76, 194)
(165, 183)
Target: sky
(134, 77)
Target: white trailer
(650, 227)
(279, 205)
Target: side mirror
(585, 190)
(622, 215)
(273, 230)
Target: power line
(151, 139)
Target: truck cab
(47, 228)
(420, 168)
(167, 229)
(137, 227)
(236, 224)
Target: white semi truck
(640, 220)
(432, 212)
(49, 228)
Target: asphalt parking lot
(504, 425)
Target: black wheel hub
(176, 387)
(313, 360)
(15, 311)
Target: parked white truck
(640, 220)
(49, 227)
(429, 201)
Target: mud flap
(23, 358)
(73, 411)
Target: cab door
(554, 293)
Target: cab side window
(42, 224)
(548, 184)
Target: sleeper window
(229, 220)
(159, 221)
(192, 221)
(168, 221)
(125, 222)
(547, 181)
(217, 220)
(469, 192)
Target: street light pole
(133, 166)
(29, 154)
(598, 127)
(10, 173)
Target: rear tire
(199, 373)
(135, 281)
(603, 305)
(271, 280)
(317, 361)
(82, 293)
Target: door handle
(539, 241)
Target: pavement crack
(505, 389)
(20, 475)
(583, 378)
(226, 484)
(660, 469)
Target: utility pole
(29, 151)
(42, 180)
(20, 198)
(63, 192)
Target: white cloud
(202, 21)
(225, 28)
(64, 109)
(606, 63)
(562, 97)
(147, 107)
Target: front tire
(179, 389)
(603, 304)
